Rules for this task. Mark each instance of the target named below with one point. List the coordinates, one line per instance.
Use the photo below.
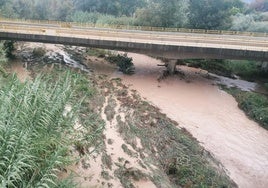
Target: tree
(211, 14)
(103, 6)
(163, 14)
(128, 7)
(60, 9)
(23, 8)
(260, 5)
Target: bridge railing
(130, 27)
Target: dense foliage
(35, 128)
(123, 62)
(248, 70)
(202, 14)
(31, 131)
(253, 104)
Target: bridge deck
(171, 44)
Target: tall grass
(3, 59)
(32, 127)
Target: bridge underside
(157, 50)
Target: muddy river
(210, 115)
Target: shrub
(253, 104)
(39, 52)
(215, 66)
(248, 70)
(84, 17)
(250, 22)
(266, 86)
(3, 60)
(259, 27)
(101, 53)
(112, 20)
(124, 63)
(9, 48)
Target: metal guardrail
(130, 27)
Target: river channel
(210, 115)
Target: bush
(250, 22)
(112, 20)
(100, 19)
(253, 104)
(9, 48)
(242, 22)
(248, 70)
(39, 52)
(214, 66)
(101, 53)
(266, 86)
(259, 27)
(84, 17)
(124, 63)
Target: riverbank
(253, 100)
(139, 146)
(212, 116)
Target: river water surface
(210, 115)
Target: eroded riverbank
(211, 115)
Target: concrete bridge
(172, 45)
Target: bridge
(160, 42)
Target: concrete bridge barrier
(173, 45)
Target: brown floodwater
(210, 115)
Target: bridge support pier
(171, 66)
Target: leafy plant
(39, 52)
(32, 144)
(124, 63)
(255, 105)
(9, 48)
(3, 59)
(266, 86)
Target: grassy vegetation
(124, 63)
(248, 70)
(3, 60)
(33, 147)
(214, 66)
(266, 86)
(35, 129)
(97, 52)
(39, 52)
(253, 104)
(36, 133)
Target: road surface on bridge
(213, 41)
